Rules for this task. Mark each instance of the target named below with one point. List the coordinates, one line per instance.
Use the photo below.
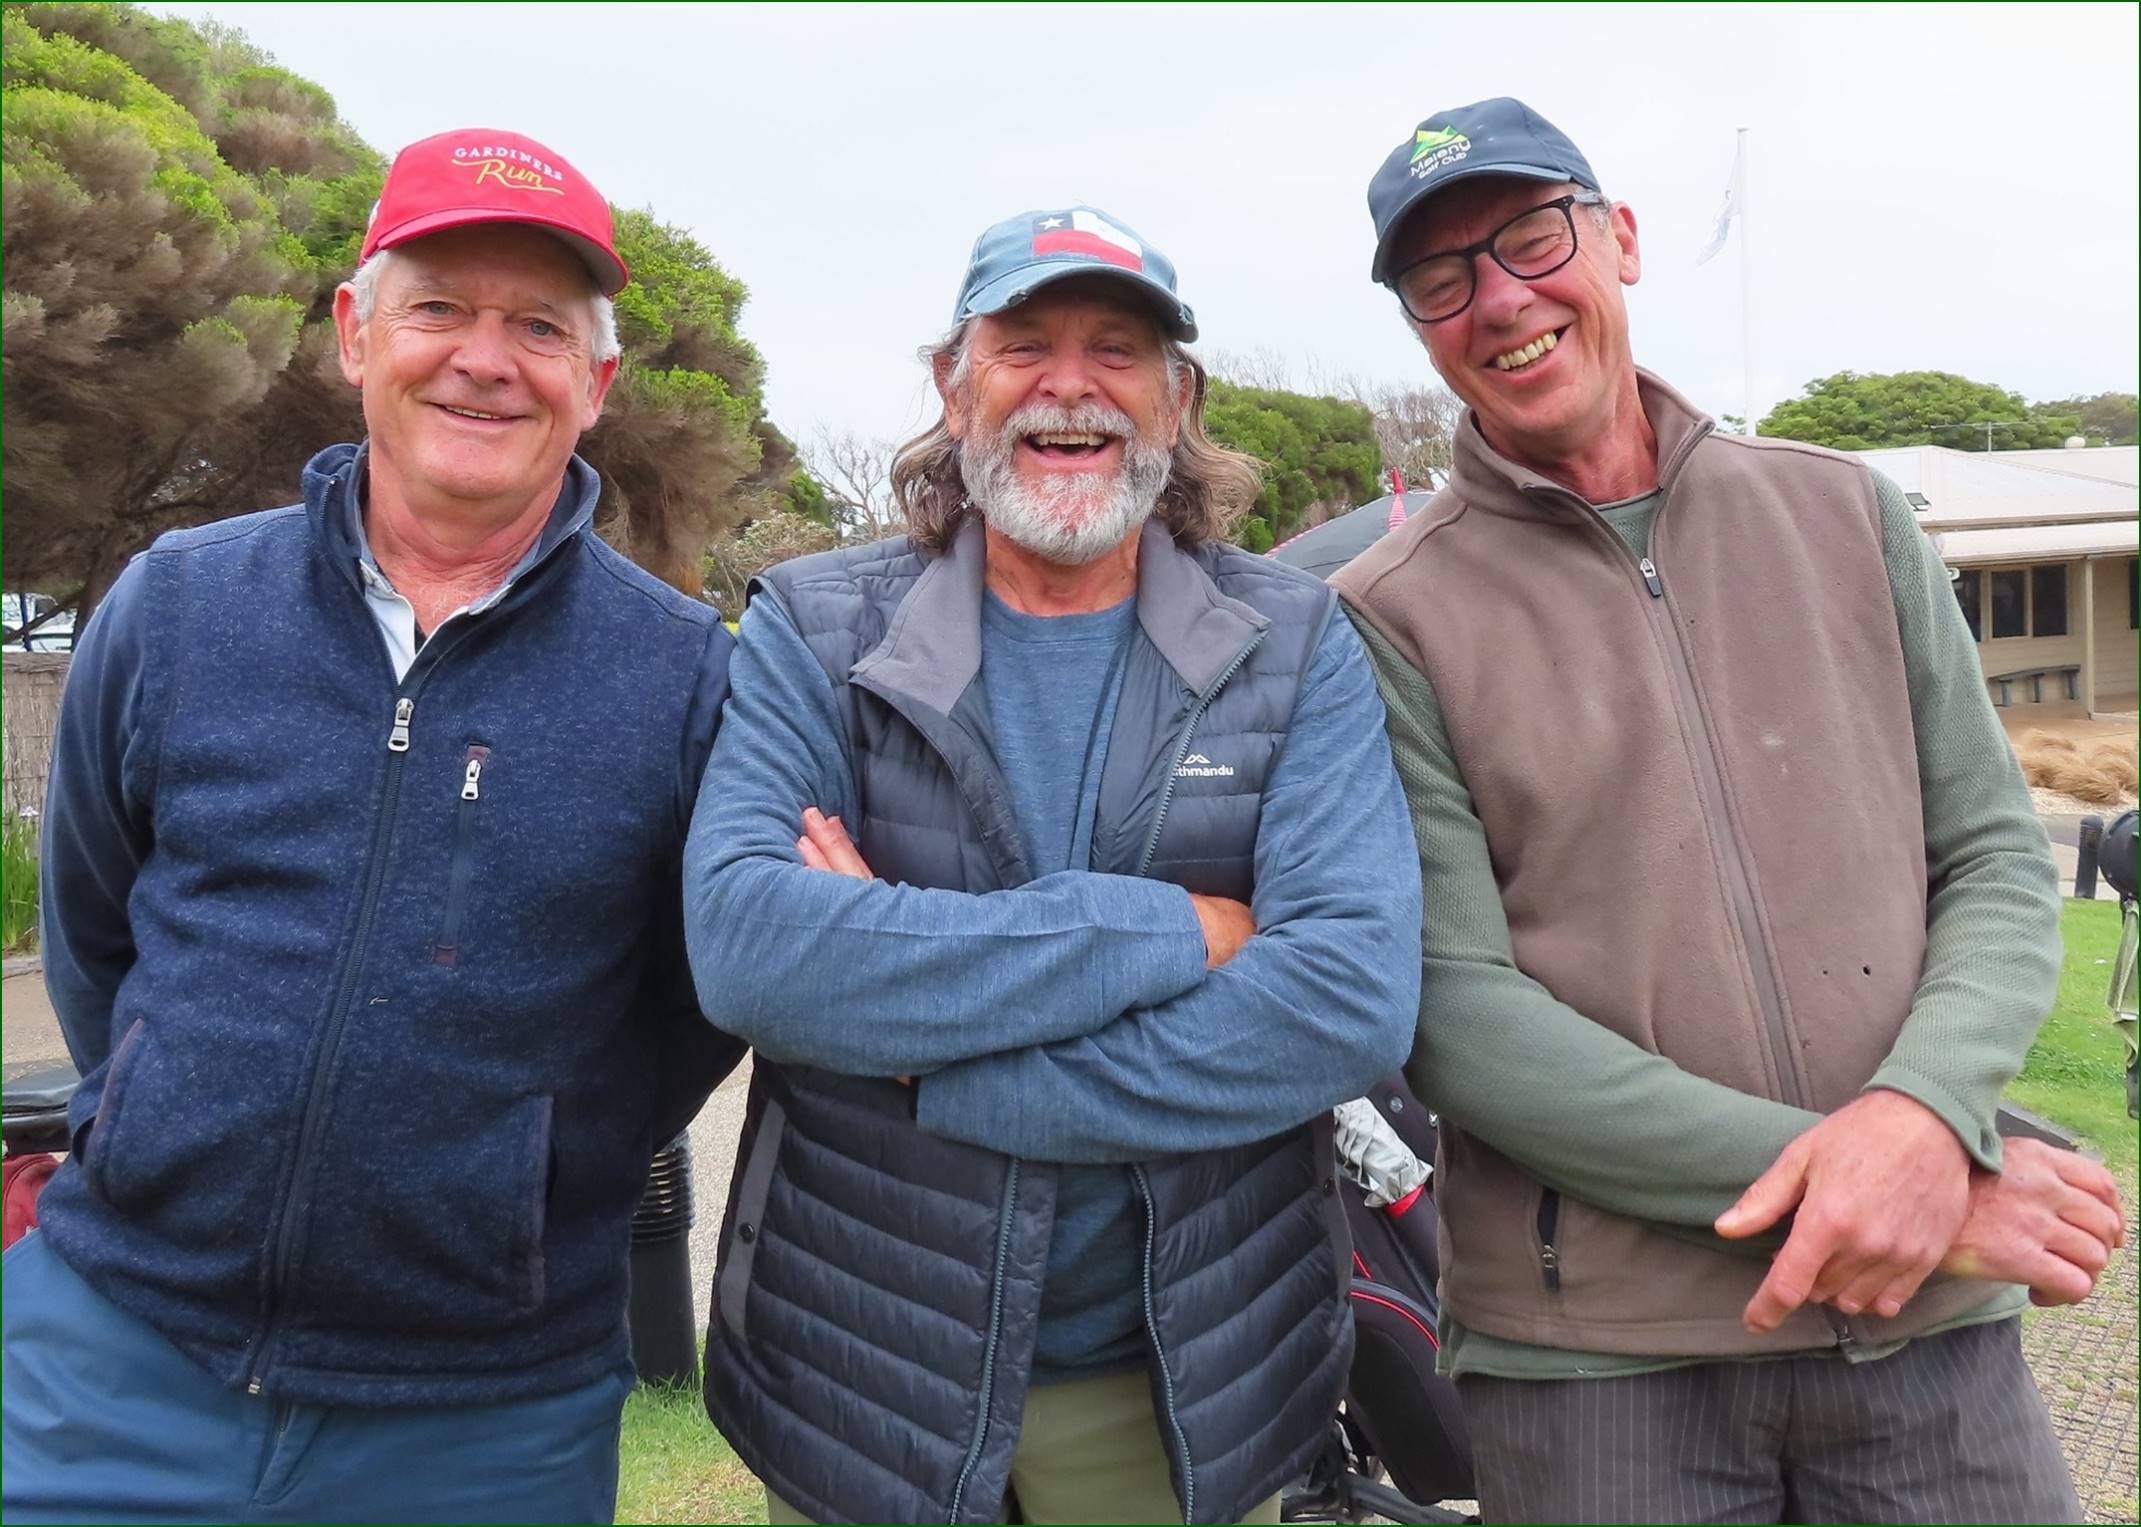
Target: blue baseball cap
(1020, 255)
(1498, 137)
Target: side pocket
(530, 1275)
(734, 1286)
(1548, 1226)
(96, 1143)
(461, 869)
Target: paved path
(2084, 1359)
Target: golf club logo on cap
(511, 169)
(1433, 148)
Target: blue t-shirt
(1052, 682)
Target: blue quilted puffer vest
(879, 1288)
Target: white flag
(1725, 214)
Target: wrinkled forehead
(1470, 211)
(1084, 304)
(525, 261)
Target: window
(1970, 594)
(1918, 501)
(2048, 600)
(2010, 602)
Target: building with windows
(2042, 546)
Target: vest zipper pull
(1651, 581)
(469, 791)
(398, 739)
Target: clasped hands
(1885, 1195)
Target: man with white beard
(1058, 874)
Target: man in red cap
(361, 917)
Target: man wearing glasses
(1736, 914)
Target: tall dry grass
(2101, 770)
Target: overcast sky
(1948, 188)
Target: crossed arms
(1075, 1018)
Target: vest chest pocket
(461, 869)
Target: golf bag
(1398, 1445)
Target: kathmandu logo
(1432, 149)
(1197, 766)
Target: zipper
(310, 1122)
(1189, 730)
(1548, 1224)
(1152, 1332)
(463, 864)
(988, 1351)
(1711, 788)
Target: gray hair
(1208, 486)
(364, 295)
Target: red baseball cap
(482, 175)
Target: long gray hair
(1208, 486)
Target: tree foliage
(1319, 455)
(177, 213)
(2109, 418)
(1854, 412)
(154, 295)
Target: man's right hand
(1227, 926)
(2049, 1218)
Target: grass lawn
(674, 1467)
(2076, 1072)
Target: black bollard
(665, 1347)
(2092, 834)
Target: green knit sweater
(1591, 1114)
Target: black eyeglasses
(1530, 245)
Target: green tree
(1854, 412)
(154, 296)
(2108, 418)
(177, 214)
(1319, 455)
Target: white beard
(1070, 518)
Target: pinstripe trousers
(1950, 1429)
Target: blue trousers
(106, 1421)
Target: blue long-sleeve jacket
(376, 985)
(1105, 1038)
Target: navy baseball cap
(1022, 254)
(1498, 137)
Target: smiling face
(1545, 364)
(1067, 411)
(477, 369)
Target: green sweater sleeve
(1579, 1107)
(1992, 923)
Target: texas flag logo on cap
(1087, 233)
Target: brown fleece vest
(1699, 786)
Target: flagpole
(1746, 287)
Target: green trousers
(1088, 1451)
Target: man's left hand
(1881, 1187)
